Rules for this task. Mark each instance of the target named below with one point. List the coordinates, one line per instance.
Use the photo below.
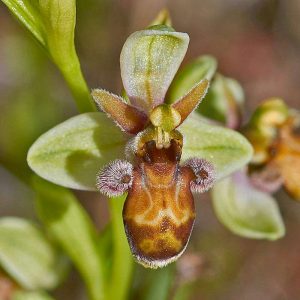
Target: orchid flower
(159, 211)
(171, 152)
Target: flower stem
(78, 87)
(122, 259)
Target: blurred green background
(255, 41)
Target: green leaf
(27, 12)
(72, 153)
(105, 246)
(52, 23)
(245, 210)
(226, 149)
(71, 227)
(149, 61)
(122, 262)
(59, 19)
(203, 67)
(21, 295)
(184, 291)
(27, 256)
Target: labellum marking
(159, 211)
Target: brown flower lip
(159, 210)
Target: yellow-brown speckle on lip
(159, 213)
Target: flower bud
(262, 129)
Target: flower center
(165, 119)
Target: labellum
(159, 210)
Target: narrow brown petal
(127, 117)
(191, 100)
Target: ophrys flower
(159, 211)
(171, 152)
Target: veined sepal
(245, 210)
(149, 61)
(226, 149)
(73, 152)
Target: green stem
(159, 283)
(184, 292)
(71, 227)
(78, 87)
(122, 259)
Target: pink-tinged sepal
(204, 174)
(115, 179)
(130, 119)
(189, 102)
(268, 179)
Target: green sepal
(72, 153)
(262, 128)
(149, 61)
(245, 210)
(226, 149)
(224, 101)
(204, 67)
